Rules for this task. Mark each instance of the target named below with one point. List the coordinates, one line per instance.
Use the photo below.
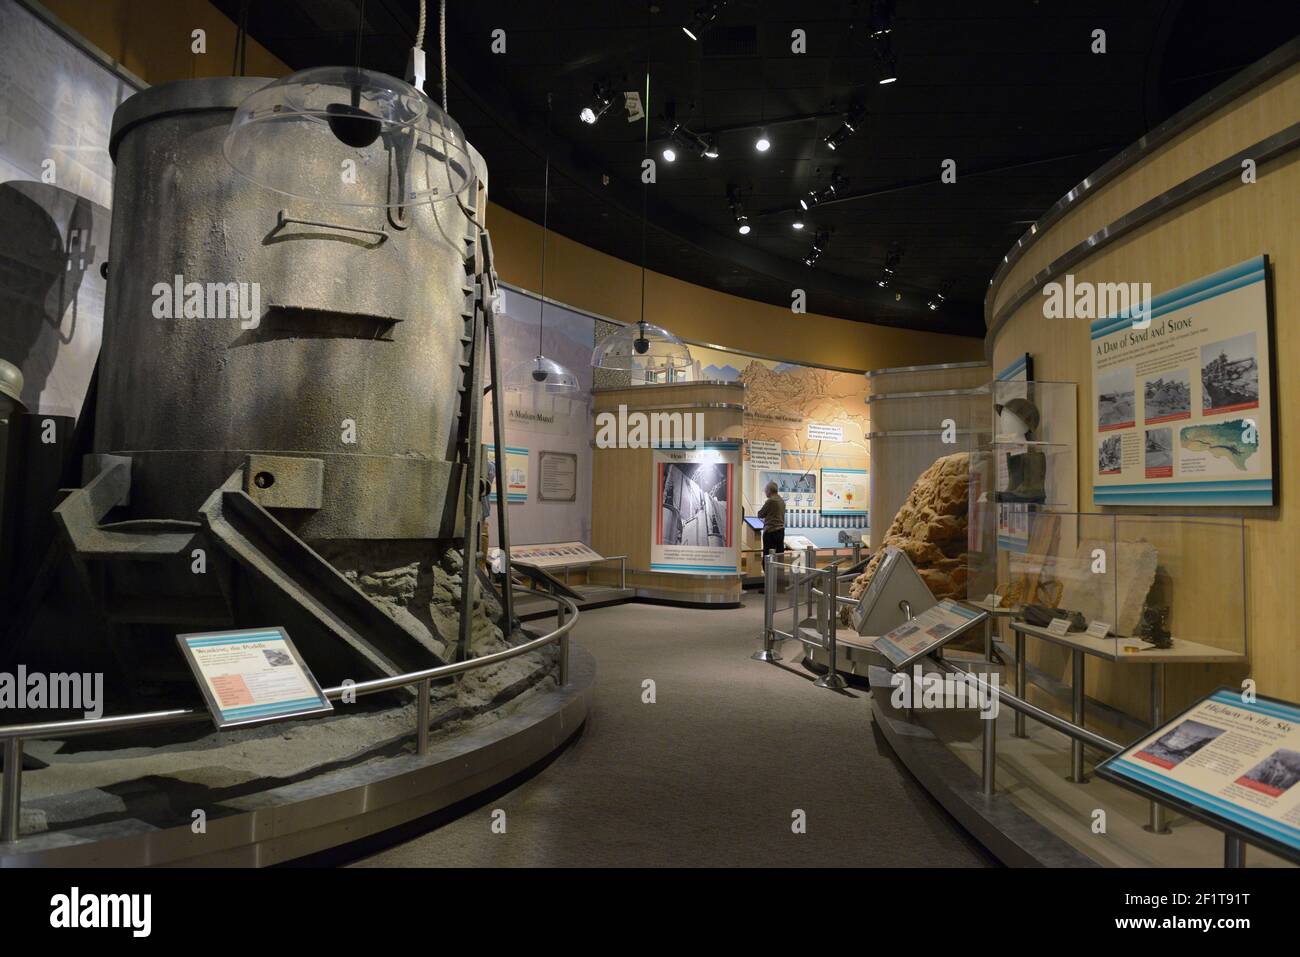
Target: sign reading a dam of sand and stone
(1182, 404)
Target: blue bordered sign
(252, 676)
(1232, 764)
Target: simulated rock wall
(931, 528)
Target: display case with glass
(1028, 466)
(1126, 586)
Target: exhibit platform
(1036, 816)
(528, 608)
(148, 801)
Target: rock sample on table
(1117, 597)
(931, 528)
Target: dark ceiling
(1009, 90)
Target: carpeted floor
(708, 775)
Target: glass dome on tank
(651, 353)
(293, 136)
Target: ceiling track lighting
(737, 209)
(887, 272)
(816, 197)
(939, 297)
(602, 99)
(704, 16)
(818, 247)
(690, 141)
(881, 21)
(854, 120)
(886, 62)
(762, 144)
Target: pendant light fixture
(648, 351)
(541, 375)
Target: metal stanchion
(1156, 823)
(422, 716)
(767, 652)
(1234, 851)
(560, 618)
(1076, 699)
(990, 754)
(830, 595)
(1020, 682)
(810, 559)
(11, 800)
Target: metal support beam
(499, 440)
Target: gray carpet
(711, 773)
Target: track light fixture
(853, 121)
(818, 246)
(940, 295)
(687, 139)
(704, 16)
(737, 209)
(892, 259)
(817, 196)
(886, 63)
(797, 224)
(881, 22)
(602, 100)
(762, 144)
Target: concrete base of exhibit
(327, 809)
(1011, 835)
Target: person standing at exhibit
(773, 515)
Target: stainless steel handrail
(13, 735)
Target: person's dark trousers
(774, 542)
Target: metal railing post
(1019, 727)
(990, 756)
(830, 595)
(810, 559)
(422, 716)
(11, 800)
(561, 617)
(766, 653)
(622, 572)
(1077, 712)
(1234, 851)
(1156, 819)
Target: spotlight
(704, 16)
(938, 298)
(695, 142)
(887, 272)
(737, 209)
(603, 98)
(797, 224)
(853, 121)
(669, 154)
(881, 22)
(827, 192)
(818, 246)
(885, 61)
(762, 144)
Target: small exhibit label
(1098, 629)
(1059, 627)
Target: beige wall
(1232, 223)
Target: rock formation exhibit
(931, 528)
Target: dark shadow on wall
(41, 273)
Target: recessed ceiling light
(669, 154)
(762, 144)
(743, 229)
(797, 224)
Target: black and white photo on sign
(1116, 397)
(1277, 772)
(1167, 396)
(1176, 745)
(1108, 455)
(1159, 448)
(1229, 374)
(694, 504)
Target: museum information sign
(764, 454)
(696, 514)
(844, 491)
(926, 632)
(1182, 397)
(557, 476)
(1231, 763)
(516, 474)
(252, 676)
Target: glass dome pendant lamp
(542, 375)
(648, 351)
(402, 148)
